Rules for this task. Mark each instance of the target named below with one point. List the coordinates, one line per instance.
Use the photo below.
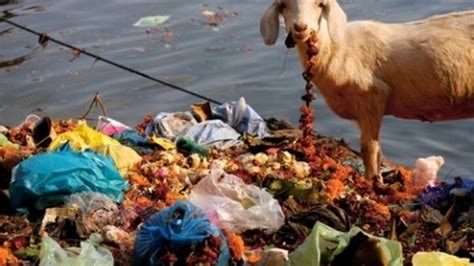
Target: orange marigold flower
(253, 258)
(7, 257)
(172, 197)
(144, 202)
(139, 180)
(334, 188)
(236, 246)
(382, 209)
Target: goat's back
(430, 68)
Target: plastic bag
(242, 118)
(189, 146)
(84, 137)
(426, 170)
(176, 228)
(97, 210)
(213, 133)
(109, 126)
(52, 253)
(4, 142)
(63, 172)
(170, 125)
(235, 205)
(325, 243)
(132, 139)
(437, 259)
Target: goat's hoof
(378, 183)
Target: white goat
(418, 70)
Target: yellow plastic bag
(164, 143)
(437, 259)
(84, 137)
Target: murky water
(223, 62)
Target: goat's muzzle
(289, 41)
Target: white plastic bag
(52, 253)
(426, 170)
(170, 125)
(236, 206)
(97, 210)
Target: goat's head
(302, 17)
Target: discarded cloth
(170, 125)
(213, 133)
(179, 227)
(64, 172)
(90, 253)
(236, 206)
(437, 259)
(242, 118)
(325, 243)
(84, 137)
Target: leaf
(151, 21)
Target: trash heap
(217, 186)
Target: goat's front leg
(370, 146)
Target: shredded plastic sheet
(151, 21)
(437, 259)
(179, 226)
(236, 206)
(84, 137)
(242, 118)
(89, 254)
(214, 133)
(63, 172)
(324, 243)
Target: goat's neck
(328, 50)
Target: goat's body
(420, 70)
(417, 70)
(423, 70)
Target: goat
(365, 69)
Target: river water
(224, 61)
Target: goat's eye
(282, 6)
(321, 5)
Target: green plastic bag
(324, 243)
(89, 254)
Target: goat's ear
(270, 24)
(337, 20)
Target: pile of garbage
(217, 186)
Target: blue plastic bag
(444, 194)
(167, 229)
(242, 118)
(63, 172)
